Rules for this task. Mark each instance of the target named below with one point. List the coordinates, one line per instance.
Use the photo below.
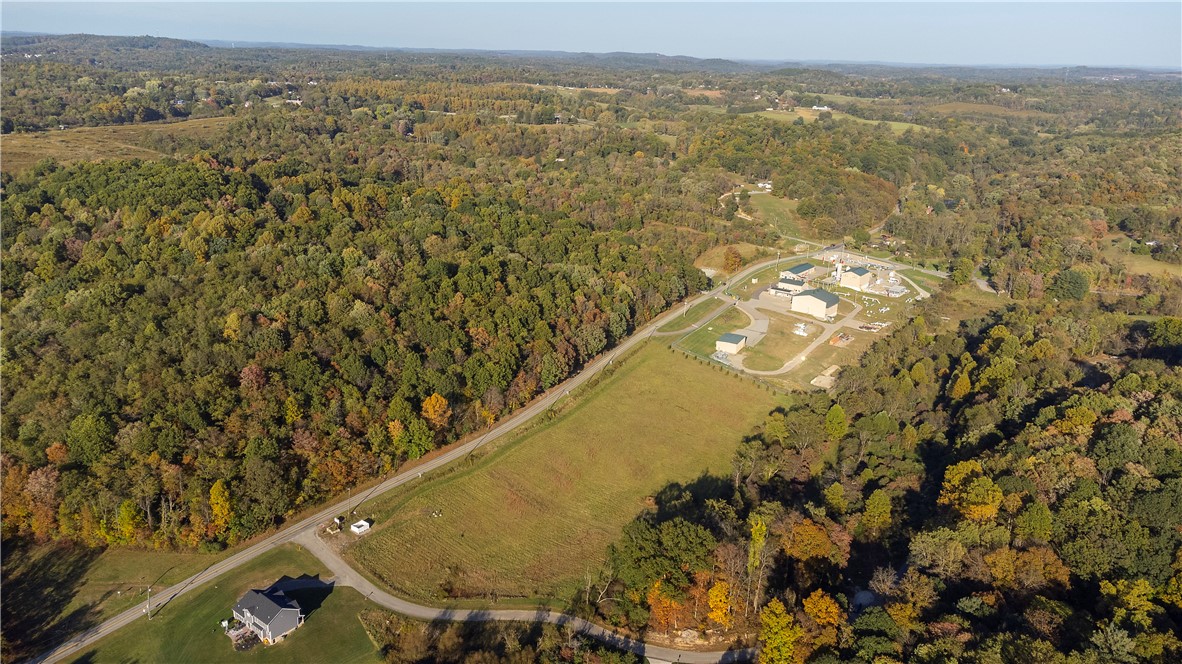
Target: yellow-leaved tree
(970, 492)
(719, 599)
(219, 505)
(436, 411)
(778, 634)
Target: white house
(816, 303)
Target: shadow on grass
(307, 590)
(37, 590)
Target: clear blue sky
(1071, 33)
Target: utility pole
(149, 602)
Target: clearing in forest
(129, 141)
(528, 521)
(188, 630)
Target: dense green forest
(993, 493)
(385, 252)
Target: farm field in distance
(22, 151)
(530, 519)
(187, 630)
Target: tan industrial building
(858, 278)
(816, 303)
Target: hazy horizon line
(217, 42)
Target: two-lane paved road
(160, 600)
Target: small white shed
(360, 527)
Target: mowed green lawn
(701, 341)
(781, 343)
(528, 521)
(188, 630)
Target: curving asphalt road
(161, 599)
(345, 575)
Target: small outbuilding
(270, 614)
(858, 278)
(361, 526)
(730, 343)
(817, 303)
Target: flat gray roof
(732, 338)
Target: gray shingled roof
(265, 605)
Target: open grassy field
(780, 344)
(713, 258)
(966, 108)
(1115, 248)
(923, 279)
(531, 518)
(809, 115)
(781, 213)
(187, 630)
(53, 590)
(20, 151)
(691, 316)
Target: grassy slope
(701, 341)
(52, 590)
(691, 316)
(187, 629)
(715, 257)
(781, 213)
(20, 151)
(1117, 250)
(534, 516)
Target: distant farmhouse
(858, 278)
(270, 614)
(730, 343)
(816, 303)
